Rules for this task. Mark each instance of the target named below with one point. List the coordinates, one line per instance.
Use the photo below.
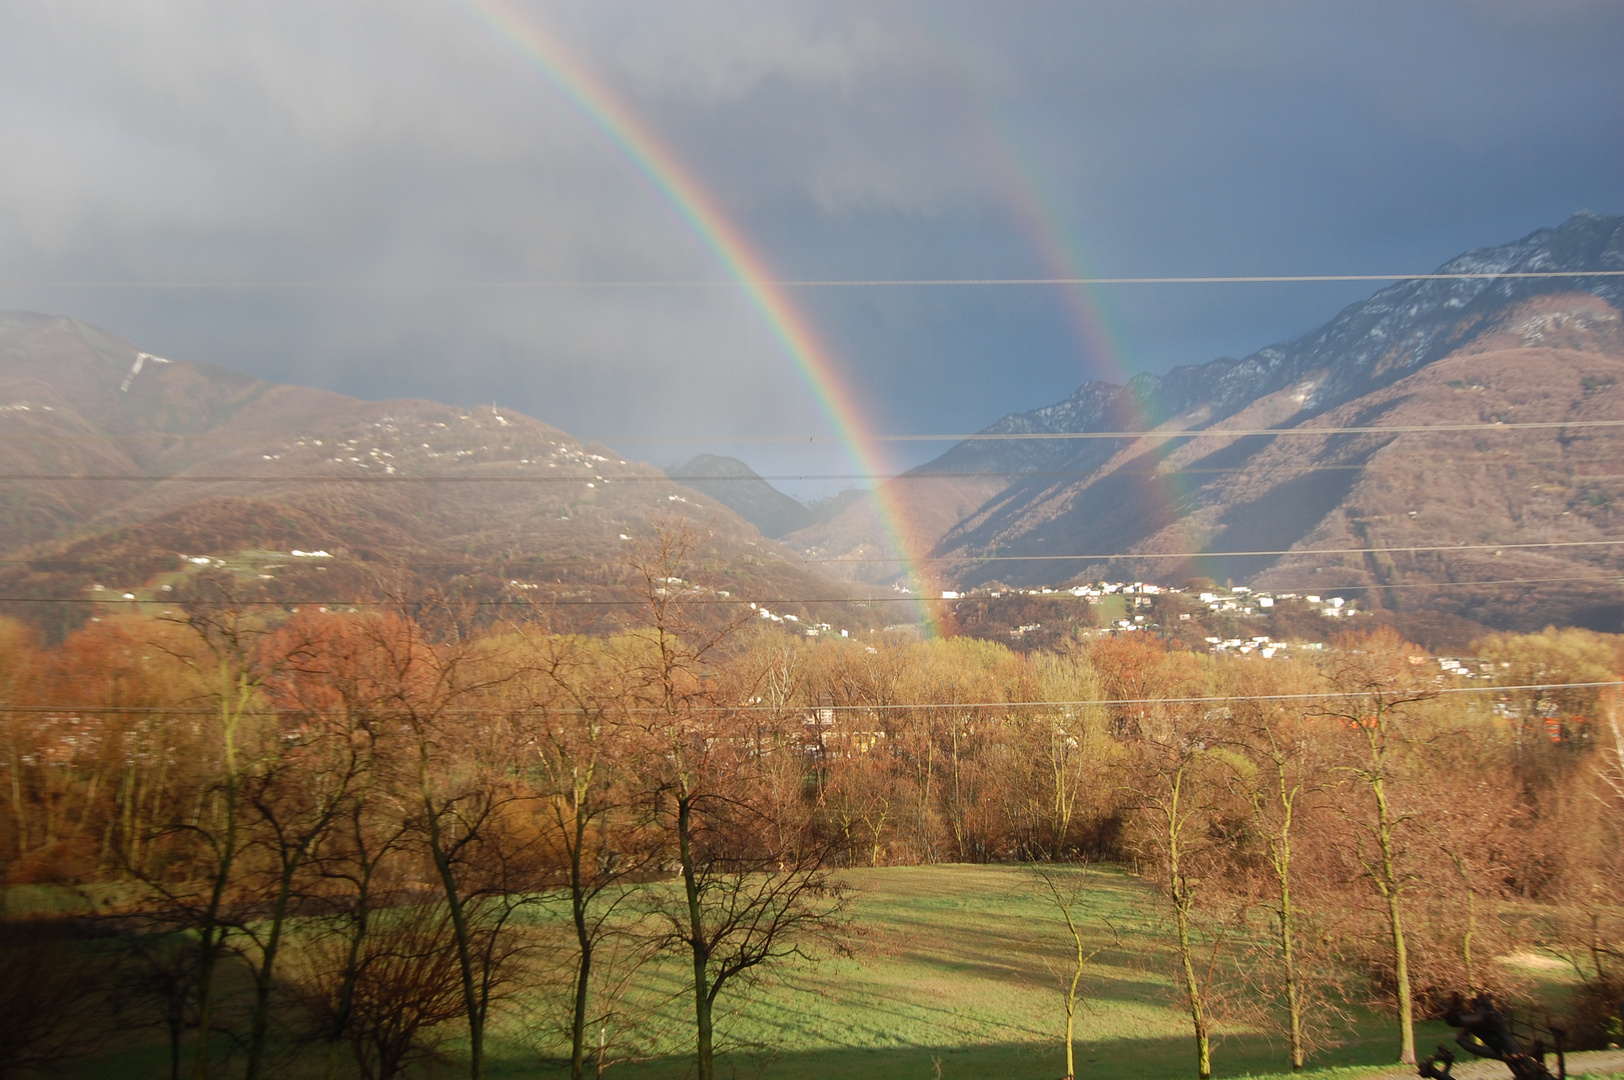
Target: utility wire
(1045, 474)
(547, 603)
(803, 283)
(1189, 433)
(1325, 695)
(521, 566)
(984, 436)
(1213, 554)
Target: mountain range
(126, 475)
(1419, 353)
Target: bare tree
(156, 976)
(1065, 887)
(586, 802)
(1185, 828)
(390, 994)
(1378, 692)
(229, 654)
(48, 1008)
(462, 792)
(295, 800)
(1275, 774)
(750, 894)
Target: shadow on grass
(1114, 1059)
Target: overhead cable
(925, 706)
(734, 601)
(800, 283)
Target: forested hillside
(326, 830)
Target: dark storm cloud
(371, 142)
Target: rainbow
(1041, 218)
(640, 146)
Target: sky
(373, 152)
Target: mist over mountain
(1417, 353)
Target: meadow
(955, 972)
(951, 972)
(338, 844)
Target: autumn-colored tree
(1278, 770)
(1172, 780)
(21, 667)
(750, 895)
(1377, 705)
(1185, 824)
(460, 779)
(862, 783)
(1557, 679)
(580, 740)
(230, 651)
(1070, 752)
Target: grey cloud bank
(367, 143)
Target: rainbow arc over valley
(638, 144)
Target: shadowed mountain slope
(736, 486)
(1401, 357)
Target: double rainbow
(644, 150)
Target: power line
(444, 601)
(1212, 554)
(801, 283)
(1188, 433)
(1616, 581)
(1040, 474)
(1216, 699)
(48, 562)
(549, 602)
(985, 436)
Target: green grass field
(950, 976)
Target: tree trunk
(460, 931)
(1192, 987)
(260, 1019)
(1071, 1051)
(704, 1057)
(1294, 996)
(583, 972)
(1395, 921)
(210, 938)
(1280, 851)
(212, 933)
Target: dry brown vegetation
(334, 830)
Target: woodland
(362, 843)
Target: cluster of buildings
(1138, 597)
(810, 628)
(1261, 644)
(1238, 600)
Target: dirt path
(1586, 1061)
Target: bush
(1596, 1022)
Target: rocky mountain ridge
(1154, 497)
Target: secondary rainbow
(626, 132)
(1049, 230)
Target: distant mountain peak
(738, 487)
(1416, 352)
(133, 473)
